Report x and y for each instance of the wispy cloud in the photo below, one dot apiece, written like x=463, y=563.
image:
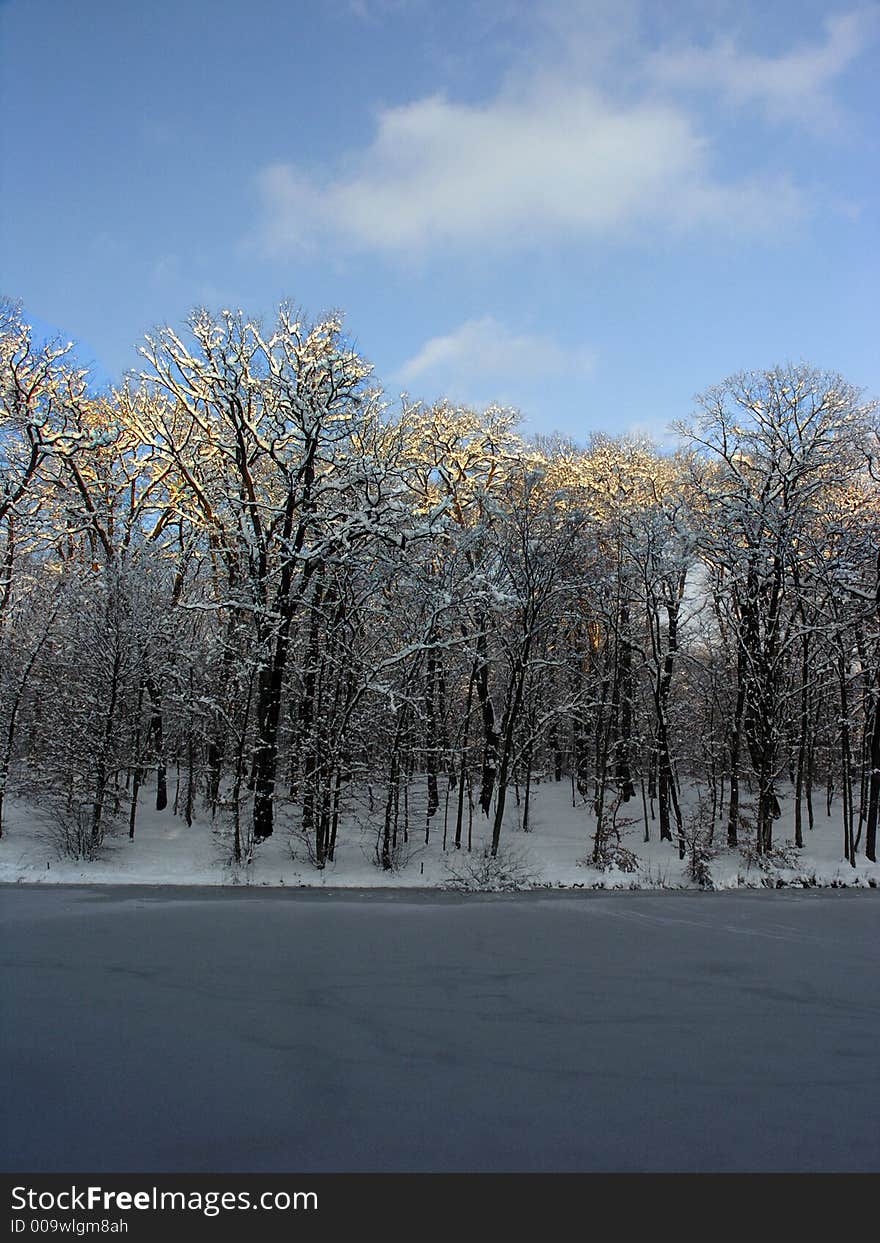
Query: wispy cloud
x=585, y=139
x=559, y=161
x=469, y=362
x=375, y=10
x=794, y=86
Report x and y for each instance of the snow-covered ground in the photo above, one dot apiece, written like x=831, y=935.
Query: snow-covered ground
x=269, y=1030
x=554, y=853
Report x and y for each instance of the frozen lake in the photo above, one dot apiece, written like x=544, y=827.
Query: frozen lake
x=248, y=1030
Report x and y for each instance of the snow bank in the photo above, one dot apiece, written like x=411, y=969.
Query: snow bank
x=554, y=853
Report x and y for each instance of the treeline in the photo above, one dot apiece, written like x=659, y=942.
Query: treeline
x=248, y=578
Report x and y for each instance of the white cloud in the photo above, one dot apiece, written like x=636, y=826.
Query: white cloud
x=481, y=353
x=557, y=161
x=374, y=10
x=792, y=87
x=590, y=137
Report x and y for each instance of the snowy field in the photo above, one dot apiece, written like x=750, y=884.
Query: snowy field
x=255, y=1030
x=553, y=853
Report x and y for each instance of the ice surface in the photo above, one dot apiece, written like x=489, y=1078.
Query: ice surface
x=267, y=1030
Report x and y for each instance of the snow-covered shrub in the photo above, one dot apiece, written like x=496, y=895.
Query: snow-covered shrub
x=301, y=844
x=480, y=871
x=653, y=875
x=785, y=855
x=612, y=856
x=697, y=831
x=608, y=853
x=72, y=831
x=398, y=853
x=233, y=832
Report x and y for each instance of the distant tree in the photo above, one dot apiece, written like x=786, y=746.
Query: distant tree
x=773, y=445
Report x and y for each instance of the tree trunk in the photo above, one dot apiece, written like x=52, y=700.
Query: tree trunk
x=491, y=735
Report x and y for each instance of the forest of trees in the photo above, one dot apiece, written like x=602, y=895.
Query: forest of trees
x=248, y=585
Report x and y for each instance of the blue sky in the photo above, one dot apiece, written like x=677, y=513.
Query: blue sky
x=590, y=211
